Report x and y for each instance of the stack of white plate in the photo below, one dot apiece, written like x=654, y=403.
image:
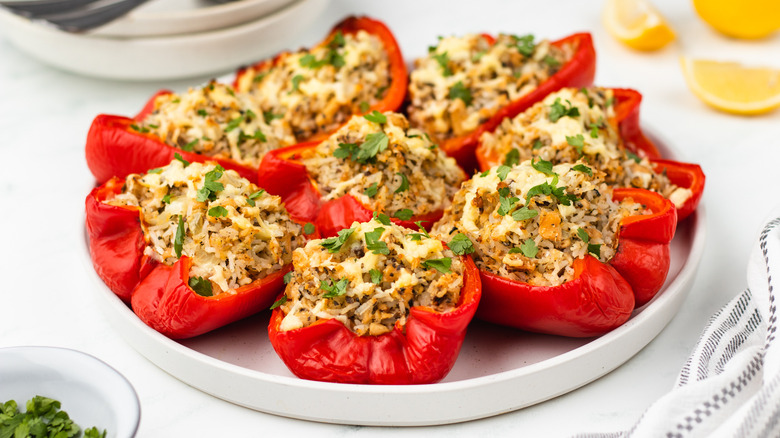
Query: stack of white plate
x=168, y=39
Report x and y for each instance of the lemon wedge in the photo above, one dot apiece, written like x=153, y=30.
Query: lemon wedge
x=733, y=87
x=746, y=19
x=637, y=24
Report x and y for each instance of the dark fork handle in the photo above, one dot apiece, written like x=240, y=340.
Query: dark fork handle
x=90, y=18
x=44, y=7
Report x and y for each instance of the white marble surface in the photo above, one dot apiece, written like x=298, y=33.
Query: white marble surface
x=45, y=297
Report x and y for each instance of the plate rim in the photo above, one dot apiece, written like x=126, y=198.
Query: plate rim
x=674, y=293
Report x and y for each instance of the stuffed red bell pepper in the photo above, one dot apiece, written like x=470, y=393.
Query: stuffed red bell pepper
x=191, y=246
x=210, y=122
x=378, y=304
x=375, y=163
x=601, y=127
x=468, y=85
x=557, y=251
x=357, y=69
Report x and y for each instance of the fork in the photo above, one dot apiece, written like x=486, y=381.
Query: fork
x=74, y=16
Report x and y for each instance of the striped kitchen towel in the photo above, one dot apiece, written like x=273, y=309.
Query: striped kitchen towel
x=730, y=384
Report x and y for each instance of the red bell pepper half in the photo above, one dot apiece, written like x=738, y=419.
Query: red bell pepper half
x=281, y=174
x=578, y=72
x=601, y=296
x=114, y=148
x=394, y=94
x=627, y=102
x=423, y=351
x=160, y=294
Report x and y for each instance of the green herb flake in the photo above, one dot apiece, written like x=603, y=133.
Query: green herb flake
x=544, y=166
x=633, y=156
x=578, y=141
x=43, y=418
x=524, y=213
x=334, y=244
x=484, y=174
x=178, y=157
x=382, y=218
x=178, y=241
x=296, y=82
x=584, y=169
x=332, y=289
x=442, y=265
x=376, y=276
x=210, y=185
x=512, y=157
x=477, y=56
x=260, y=76
x=373, y=243
x=376, y=117
x=167, y=198
x=538, y=144
x=583, y=235
x=190, y=146
x=269, y=116
x=404, y=214
x=218, y=211
x=374, y=144
x=461, y=244
x=506, y=203
x=142, y=129
x=503, y=172
x=525, y=44
x=515, y=251
x=380, y=92
x=459, y=91
x=364, y=106
x=529, y=248
x=609, y=102
x=552, y=62
x=308, y=228
x=201, y=286
x=558, y=110
x=345, y=150
x=251, y=198
x=279, y=302
x=443, y=61
x=155, y=171
x=404, y=183
x=203, y=113
x=287, y=277
x=233, y=124
x=372, y=190
x=594, y=249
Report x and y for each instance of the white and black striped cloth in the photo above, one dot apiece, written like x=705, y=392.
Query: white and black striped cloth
x=730, y=385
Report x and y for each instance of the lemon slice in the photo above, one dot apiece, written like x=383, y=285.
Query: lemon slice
x=637, y=24
x=732, y=87
x=748, y=19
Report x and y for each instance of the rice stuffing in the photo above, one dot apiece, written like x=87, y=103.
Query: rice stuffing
x=369, y=277
x=234, y=232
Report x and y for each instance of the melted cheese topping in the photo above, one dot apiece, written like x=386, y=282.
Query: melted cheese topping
x=370, y=280
x=213, y=120
x=316, y=91
x=407, y=172
x=464, y=80
x=234, y=232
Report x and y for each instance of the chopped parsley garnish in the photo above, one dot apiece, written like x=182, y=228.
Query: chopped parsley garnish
x=558, y=110
x=371, y=190
x=334, y=244
x=529, y=249
x=287, y=277
x=443, y=61
x=201, y=286
x=333, y=57
x=269, y=116
x=308, y=228
x=203, y=113
x=461, y=244
x=633, y=156
x=578, y=141
x=584, y=91
x=233, y=124
x=421, y=234
x=43, y=418
x=594, y=249
x=182, y=160
x=524, y=44
x=442, y=265
x=515, y=250
x=374, y=144
x=583, y=168
x=380, y=92
x=485, y=173
x=260, y=76
x=211, y=186
x=404, y=183
x=157, y=170
x=364, y=106
x=296, y=82
x=404, y=214
x=376, y=117
x=218, y=211
x=524, y=213
x=512, y=157
x=552, y=62
x=477, y=56
x=178, y=241
x=594, y=129
x=189, y=146
x=258, y=135
x=609, y=101
x=334, y=289
x=373, y=243
x=505, y=202
x=543, y=166
x=382, y=218
x=546, y=188
x=503, y=171
x=279, y=302
x=459, y=91
x=538, y=144
x=141, y=129
x=345, y=150
x=167, y=198
x=376, y=276
x=251, y=198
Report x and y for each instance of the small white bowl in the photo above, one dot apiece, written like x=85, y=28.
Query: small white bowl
x=89, y=390
x=165, y=57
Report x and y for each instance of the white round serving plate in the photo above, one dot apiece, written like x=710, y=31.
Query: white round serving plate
x=498, y=370
x=163, y=57
x=89, y=390
x=174, y=17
